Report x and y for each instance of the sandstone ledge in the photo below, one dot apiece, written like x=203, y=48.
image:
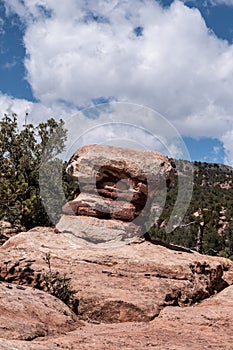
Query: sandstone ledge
x=99, y=232
x=130, y=296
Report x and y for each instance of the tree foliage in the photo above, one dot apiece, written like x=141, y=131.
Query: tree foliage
x=21, y=152
x=211, y=204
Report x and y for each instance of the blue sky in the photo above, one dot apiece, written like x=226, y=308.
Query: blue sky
x=12, y=71
x=175, y=57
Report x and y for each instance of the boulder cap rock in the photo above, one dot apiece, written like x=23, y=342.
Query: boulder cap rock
x=97, y=162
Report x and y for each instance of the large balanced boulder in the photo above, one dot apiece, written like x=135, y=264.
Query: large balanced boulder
x=115, y=184
x=115, y=171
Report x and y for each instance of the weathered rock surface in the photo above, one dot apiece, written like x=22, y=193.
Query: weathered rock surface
x=86, y=204
x=115, y=172
x=116, y=184
x=133, y=296
x=27, y=313
x=99, y=232
x=103, y=163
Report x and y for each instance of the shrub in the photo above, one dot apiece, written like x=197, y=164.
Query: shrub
x=58, y=285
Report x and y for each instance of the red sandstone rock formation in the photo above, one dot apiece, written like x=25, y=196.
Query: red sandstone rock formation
x=116, y=184
x=136, y=296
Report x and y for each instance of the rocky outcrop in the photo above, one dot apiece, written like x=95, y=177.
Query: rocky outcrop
x=117, y=184
x=169, y=290
x=135, y=296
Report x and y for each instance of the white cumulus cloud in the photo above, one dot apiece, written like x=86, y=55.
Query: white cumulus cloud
x=131, y=50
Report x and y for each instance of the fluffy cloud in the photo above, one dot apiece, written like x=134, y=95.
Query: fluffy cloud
x=13, y=105
x=125, y=125
x=37, y=112
x=164, y=58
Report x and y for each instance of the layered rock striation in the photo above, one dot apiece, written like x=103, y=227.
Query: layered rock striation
x=117, y=186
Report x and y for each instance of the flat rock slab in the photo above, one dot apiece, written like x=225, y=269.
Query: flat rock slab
x=200, y=327
x=131, y=297
x=99, y=232
x=135, y=280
